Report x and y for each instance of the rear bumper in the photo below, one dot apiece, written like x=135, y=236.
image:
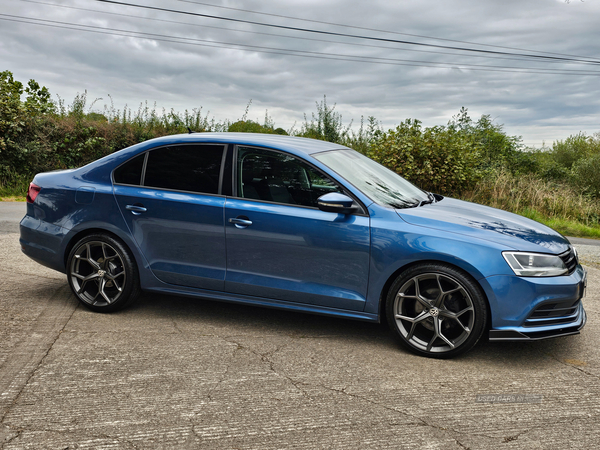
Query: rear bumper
x=43, y=242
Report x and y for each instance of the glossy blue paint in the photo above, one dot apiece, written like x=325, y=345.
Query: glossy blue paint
x=517, y=297
x=483, y=222
x=288, y=256
x=181, y=235
x=297, y=254
x=396, y=245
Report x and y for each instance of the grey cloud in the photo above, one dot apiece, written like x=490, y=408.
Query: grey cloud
x=536, y=106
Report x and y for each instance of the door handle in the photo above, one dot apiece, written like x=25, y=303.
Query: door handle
x=136, y=209
x=240, y=222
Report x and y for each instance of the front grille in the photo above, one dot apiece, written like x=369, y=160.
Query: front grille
x=553, y=313
x=569, y=259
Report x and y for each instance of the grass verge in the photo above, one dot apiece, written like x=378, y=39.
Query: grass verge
x=565, y=227
x=558, y=206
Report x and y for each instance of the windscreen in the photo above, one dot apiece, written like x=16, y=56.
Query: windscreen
x=381, y=185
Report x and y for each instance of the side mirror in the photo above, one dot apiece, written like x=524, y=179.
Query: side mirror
x=336, y=203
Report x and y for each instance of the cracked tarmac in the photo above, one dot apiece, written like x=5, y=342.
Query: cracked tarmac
x=171, y=372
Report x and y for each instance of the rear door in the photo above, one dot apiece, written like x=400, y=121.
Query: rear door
x=170, y=199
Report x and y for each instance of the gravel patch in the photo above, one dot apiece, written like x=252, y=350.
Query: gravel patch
x=589, y=255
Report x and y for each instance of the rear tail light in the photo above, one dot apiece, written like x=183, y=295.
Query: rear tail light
x=33, y=192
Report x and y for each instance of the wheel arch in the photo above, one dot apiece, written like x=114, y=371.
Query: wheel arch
x=80, y=234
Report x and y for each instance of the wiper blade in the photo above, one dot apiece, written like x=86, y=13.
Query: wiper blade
x=401, y=205
x=415, y=204
x=430, y=199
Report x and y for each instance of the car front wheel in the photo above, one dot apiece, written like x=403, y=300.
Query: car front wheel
x=102, y=273
x=436, y=310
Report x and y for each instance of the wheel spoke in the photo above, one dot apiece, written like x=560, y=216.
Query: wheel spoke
x=460, y=313
x=412, y=331
x=446, y=340
x=102, y=293
x=119, y=288
x=430, y=343
x=418, y=296
x=455, y=316
x=80, y=290
x=422, y=301
x=438, y=332
x=462, y=325
x=440, y=297
x=89, y=258
x=452, y=291
x=419, y=318
x=112, y=277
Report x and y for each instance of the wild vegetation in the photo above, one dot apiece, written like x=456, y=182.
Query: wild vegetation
x=471, y=159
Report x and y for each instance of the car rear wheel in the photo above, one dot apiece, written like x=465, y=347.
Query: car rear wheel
x=102, y=273
x=436, y=310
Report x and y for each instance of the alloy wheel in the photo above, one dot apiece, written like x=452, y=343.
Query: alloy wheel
x=97, y=273
x=434, y=312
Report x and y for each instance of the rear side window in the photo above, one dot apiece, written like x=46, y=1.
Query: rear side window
x=131, y=171
x=194, y=168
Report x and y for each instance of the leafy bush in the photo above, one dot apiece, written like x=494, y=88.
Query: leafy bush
x=494, y=147
x=568, y=152
x=17, y=120
x=249, y=126
x=437, y=159
x=586, y=175
x=326, y=125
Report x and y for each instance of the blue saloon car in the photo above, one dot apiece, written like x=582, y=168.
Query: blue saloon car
x=303, y=225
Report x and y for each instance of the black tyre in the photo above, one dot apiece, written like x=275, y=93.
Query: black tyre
x=102, y=273
x=436, y=310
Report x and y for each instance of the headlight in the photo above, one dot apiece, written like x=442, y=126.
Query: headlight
x=535, y=264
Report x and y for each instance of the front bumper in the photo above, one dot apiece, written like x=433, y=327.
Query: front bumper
x=534, y=335
x=549, y=318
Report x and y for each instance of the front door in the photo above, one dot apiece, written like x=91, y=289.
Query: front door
x=281, y=246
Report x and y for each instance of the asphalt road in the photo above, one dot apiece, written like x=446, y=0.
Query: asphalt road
x=172, y=372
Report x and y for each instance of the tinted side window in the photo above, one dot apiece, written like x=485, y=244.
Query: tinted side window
x=194, y=168
x=277, y=177
x=131, y=171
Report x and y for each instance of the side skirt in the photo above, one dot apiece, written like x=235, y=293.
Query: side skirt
x=265, y=302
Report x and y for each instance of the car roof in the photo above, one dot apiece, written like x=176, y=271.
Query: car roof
x=292, y=144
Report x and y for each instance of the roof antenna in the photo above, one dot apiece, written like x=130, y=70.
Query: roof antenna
x=189, y=130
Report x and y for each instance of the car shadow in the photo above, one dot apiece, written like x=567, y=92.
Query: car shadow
x=257, y=321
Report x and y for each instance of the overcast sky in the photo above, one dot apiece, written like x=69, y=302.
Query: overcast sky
x=189, y=61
